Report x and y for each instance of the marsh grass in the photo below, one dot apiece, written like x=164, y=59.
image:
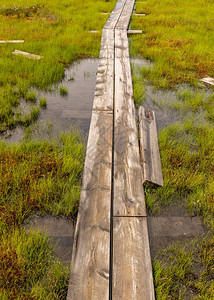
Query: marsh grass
x=43, y=102
x=44, y=177
x=178, y=38
x=63, y=91
x=56, y=30
x=185, y=272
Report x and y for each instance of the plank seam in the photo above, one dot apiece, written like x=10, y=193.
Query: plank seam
x=112, y=175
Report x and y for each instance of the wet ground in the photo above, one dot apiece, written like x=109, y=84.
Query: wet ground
x=64, y=112
x=173, y=225
x=60, y=230
x=74, y=110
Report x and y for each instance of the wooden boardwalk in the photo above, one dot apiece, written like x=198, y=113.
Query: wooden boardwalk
x=111, y=254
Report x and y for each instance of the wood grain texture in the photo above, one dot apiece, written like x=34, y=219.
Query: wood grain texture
x=132, y=269
x=104, y=89
x=125, y=16
x=90, y=259
x=128, y=189
x=149, y=148
x=121, y=44
x=97, y=170
x=115, y=15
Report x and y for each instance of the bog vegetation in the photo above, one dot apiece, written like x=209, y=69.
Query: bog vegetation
x=39, y=176
x=178, y=40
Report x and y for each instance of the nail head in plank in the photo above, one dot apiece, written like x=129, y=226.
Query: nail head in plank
x=149, y=148
x=132, y=269
x=208, y=80
x=135, y=31
x=28, y=55
x=12, y=42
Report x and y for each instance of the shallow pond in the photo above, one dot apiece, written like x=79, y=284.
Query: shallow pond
x=60, y=230
x=63, y=112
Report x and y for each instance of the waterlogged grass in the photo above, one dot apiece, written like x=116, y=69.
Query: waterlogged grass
x=43, y=177
x=185, y=272
x=57, y=30
x=63, y=91
x=28, y=269
x=187, y=156
x=178, y=38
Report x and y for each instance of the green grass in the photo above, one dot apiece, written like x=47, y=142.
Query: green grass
x=178, y=38
x=50, y=183
x=185, y=272
x=28, y=269
x=63, y=91
x=58, y=31
x=43, y=102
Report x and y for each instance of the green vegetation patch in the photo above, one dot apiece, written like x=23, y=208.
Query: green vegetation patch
x=185, y=272
x=43, y=177
x=187, y=156
x=57, y=30
x=178, y=38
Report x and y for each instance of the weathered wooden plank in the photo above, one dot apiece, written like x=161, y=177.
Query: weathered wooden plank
x=121, y=43
x=115, y=14
x=12, y=41
x=208, y=80
x=149, y=149
x=124, y=19
x=107, y=44
x=97, y=170
x=134, y=31
x=132, y=269
x=128, y=188
x=104, y=89
x=90, y=259
x=28, y=55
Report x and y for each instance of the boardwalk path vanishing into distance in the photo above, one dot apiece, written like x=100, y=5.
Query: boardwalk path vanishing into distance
x=111, y=254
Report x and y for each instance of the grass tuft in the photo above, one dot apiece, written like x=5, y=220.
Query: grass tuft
x=63, y=91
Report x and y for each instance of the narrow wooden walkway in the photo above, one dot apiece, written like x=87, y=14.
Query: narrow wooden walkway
x=111, y=255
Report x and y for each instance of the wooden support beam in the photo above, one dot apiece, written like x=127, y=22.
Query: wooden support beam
x=134, y=31
x=28, y=55
x=208, y=80
x=139, y=15
x=12, y=41
x=149, y=148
